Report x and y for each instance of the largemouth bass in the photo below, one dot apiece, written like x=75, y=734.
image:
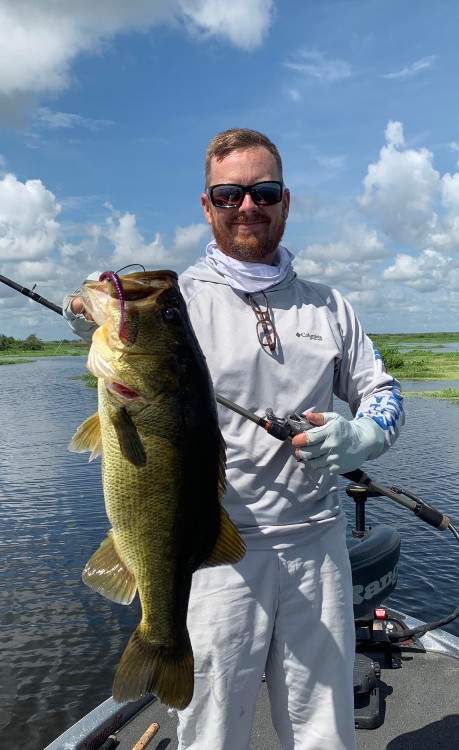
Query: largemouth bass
x=163, y=473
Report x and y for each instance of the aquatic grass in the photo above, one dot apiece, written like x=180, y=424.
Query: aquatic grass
x=392, y=339
x=88, y=378
x=418, y=362
x=34, y=347
x=450, y=394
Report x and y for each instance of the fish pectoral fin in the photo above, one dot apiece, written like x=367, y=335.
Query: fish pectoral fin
x=229, y=547
x=88, y=437
x=129, y=440
x=107, y=573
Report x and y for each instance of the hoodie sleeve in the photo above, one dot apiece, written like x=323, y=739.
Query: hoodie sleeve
x=78, y=323
x=361, y=378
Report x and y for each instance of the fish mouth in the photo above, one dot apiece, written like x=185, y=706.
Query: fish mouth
x=133, y=292
x=136, y=286
x=123, y=390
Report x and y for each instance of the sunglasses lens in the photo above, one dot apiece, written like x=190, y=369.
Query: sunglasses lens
x=231, y=196
x=226, y=196
x=267, y=193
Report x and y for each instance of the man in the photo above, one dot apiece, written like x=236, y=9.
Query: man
x=273, y=340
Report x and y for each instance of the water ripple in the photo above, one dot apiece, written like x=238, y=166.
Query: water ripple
x=60, y=642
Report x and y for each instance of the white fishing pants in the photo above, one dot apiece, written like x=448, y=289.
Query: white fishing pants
x=287, y=613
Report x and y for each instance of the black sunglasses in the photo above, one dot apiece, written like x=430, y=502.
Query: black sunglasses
x=231, y=196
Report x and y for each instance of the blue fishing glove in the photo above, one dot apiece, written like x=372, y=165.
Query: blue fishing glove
x=341, y=445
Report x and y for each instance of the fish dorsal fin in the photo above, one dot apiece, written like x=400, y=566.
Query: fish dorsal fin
x=88, y=437
x=229, y=547
x=128, y=438
x=107, y=573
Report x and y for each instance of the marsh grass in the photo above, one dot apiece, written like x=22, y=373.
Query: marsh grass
x=418, y=363
x=449, y=394
x=423, y=339
x=86, y=377
x=49, y=349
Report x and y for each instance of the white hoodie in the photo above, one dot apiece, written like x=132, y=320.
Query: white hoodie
x=321, y=350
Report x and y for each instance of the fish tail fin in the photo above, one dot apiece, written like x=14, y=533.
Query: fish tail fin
x=148, y=667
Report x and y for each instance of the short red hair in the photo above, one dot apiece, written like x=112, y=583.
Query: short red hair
x=227, y=141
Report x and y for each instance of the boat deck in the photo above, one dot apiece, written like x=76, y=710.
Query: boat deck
x=420, y=699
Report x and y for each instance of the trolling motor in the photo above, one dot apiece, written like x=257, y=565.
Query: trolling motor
x=374, y=554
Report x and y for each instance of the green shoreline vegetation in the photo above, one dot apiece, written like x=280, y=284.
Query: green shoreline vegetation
x=448, y=394
x=407, y=356
x=419, y=362
x=14, y=351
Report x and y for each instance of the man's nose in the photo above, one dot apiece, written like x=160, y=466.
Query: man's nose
x=248, y=203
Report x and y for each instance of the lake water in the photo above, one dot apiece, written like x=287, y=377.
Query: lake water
x=60, y=642
x=430, y=346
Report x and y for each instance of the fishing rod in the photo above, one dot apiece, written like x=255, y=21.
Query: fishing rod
x=31, y=294
x=288, y=427
x=284, y=428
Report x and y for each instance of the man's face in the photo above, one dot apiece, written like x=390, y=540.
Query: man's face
x=250, y=232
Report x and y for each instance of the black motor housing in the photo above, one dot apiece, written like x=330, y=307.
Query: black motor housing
x=374, y=561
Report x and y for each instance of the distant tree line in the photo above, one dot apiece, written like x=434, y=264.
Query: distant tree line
x=31, y=343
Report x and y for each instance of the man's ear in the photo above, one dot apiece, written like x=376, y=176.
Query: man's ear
x=205, y=203
x=285, y=203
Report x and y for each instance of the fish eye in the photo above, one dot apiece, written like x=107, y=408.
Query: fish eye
x=169, y=313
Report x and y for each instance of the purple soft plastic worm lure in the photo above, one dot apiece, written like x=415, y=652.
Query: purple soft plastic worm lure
x=116, y=281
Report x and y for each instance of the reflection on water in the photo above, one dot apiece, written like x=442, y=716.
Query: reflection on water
x=59, y=641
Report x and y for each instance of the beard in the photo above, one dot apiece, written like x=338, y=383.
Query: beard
x=252, y=248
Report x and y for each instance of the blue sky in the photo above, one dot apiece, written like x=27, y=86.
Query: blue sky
x=106, y=109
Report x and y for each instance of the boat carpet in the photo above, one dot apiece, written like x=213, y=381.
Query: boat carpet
x=420, y=702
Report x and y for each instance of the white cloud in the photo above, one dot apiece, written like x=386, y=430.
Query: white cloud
x=359, y=244
x=58, y=120
x=314, y=64
x=130, y=246
x=364, y=298
x=35, y=270
x=426, y=272
x=413, y=204
x=394, y=133
x=243, y=23
x=190, y=239
x=401, y=189
x=28, y=226
x=412, y=70
x=40, y=40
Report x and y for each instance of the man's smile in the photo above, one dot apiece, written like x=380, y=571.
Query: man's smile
x=250, y=222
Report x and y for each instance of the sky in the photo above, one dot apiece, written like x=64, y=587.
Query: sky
x=106, y=109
